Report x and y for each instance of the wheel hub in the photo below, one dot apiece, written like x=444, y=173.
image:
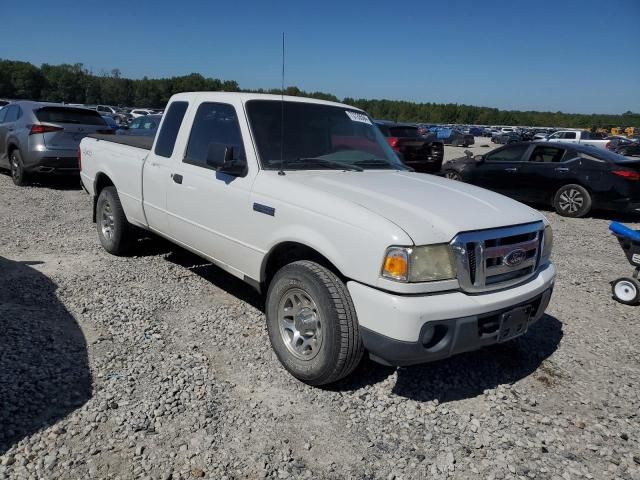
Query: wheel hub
x=300, y=324
x=107, y=222
x=571, y=200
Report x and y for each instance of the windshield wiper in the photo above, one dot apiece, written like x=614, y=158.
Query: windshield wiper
x=375, y=162
x=324, y=161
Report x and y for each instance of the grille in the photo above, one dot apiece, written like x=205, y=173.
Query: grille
x=498, y=258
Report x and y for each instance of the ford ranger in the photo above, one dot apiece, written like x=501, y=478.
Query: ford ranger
x=306, y=201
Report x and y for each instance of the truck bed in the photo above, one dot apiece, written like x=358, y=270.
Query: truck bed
x=145, y=142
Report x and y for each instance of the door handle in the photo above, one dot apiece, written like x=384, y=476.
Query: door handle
x=177, y=178
x=561, y=169
x=511, y=169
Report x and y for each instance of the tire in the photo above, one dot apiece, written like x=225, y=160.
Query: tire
x=331, y=346
x=452, y=174
x=114, y=231
x=572, y=201
x=18, y=175
x=626, y=290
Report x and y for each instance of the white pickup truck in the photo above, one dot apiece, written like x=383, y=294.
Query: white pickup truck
x=576, y=136
x=305, y=200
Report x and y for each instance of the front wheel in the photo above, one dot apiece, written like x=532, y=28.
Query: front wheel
x=114, y=231
x=572, y=201
x=312, y=323
x=452, y=175
x=626, y=290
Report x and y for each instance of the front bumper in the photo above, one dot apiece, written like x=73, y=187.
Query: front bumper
x=393, y=326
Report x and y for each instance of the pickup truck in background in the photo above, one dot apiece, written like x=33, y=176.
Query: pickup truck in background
x=423, y=153
x=576, y=136
x=305, y=200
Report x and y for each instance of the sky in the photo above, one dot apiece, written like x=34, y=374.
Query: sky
x=548, y=55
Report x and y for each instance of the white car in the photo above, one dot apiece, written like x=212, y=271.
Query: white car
x=353, y=251
x=139, y=112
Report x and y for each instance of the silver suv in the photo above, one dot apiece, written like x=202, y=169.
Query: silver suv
x=40, y=137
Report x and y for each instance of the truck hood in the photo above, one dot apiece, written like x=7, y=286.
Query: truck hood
x=429, y=209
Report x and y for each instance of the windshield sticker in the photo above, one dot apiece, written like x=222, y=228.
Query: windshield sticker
x=358, y=117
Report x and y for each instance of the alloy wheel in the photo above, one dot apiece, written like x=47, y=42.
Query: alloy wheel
x=571, y=200
x=300, y=324
x=107, y=221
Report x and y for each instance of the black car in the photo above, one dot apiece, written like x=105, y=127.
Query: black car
x=423, y=153
x=505, y=138
x=628, y=149
x=572, y=178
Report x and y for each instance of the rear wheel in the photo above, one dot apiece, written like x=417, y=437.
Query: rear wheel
x=114, y=231
x=18, y=175
x=312, y=323
x=572, y=201
x=626, y=290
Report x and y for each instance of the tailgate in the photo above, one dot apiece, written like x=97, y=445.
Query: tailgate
x=68, y=126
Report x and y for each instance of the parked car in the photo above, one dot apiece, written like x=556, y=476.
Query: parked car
x=578, y=137
x=44, y=137
x=454, y=137
x=423, y=153
x=573, y=178
x=142, y=126
x=305, y=200
x=140, y=112
x=628, y=149
x=111, y=123
x=614, y=142
x=476, y=131
x=506, y=138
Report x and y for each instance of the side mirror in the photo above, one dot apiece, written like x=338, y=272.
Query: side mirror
x=221, y=158
x=479, y=158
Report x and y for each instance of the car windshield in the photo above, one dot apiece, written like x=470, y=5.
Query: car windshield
x=317, y=136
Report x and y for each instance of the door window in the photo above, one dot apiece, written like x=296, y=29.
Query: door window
x=215, y=129
x=555, y=136
x=546, y=155
x=509, y=154
x=569, y=135
x=170, y=128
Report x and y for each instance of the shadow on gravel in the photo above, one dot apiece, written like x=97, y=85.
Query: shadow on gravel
x=221, y=279
x=44, y=370
x=470, y=374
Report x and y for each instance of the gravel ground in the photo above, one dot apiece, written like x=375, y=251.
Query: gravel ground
x=158, y=366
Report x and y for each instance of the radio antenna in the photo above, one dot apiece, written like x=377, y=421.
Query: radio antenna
x=281, y=172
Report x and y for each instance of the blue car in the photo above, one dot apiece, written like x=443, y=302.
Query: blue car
x=111, y=123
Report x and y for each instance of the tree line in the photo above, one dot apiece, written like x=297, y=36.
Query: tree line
x=76, y=84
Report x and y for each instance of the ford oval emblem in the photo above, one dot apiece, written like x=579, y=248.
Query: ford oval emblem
x=514, y=257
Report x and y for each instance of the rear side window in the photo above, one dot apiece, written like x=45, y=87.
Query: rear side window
x=169, y=132
x=215, y=128
x=13, y=113
x=3, y=113
x=509, y=154
x=69, y=115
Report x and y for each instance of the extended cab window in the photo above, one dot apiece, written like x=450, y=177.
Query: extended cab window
x=509, y=154
x=215, y=129
x=546, y=155
x=569, y=135
x=169, y=132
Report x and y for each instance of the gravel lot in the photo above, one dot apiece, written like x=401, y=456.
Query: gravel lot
x=158, y=366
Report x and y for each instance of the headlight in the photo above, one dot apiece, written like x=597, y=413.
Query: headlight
x=547, y=242
x=427, y=263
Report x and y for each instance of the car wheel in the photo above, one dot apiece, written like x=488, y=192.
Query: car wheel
x=452, y=175
x=114, y=230
x=312, y=323
x=572, y=201
x=626, y=290
x=18, y=175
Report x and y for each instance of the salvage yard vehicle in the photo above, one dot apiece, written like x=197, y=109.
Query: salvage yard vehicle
x=577, y=136
x=305, y=200
x=142, y=126
x=44, y=137
x=574, y=179
x=627, y=289
x=423, y=153
x=455, y=138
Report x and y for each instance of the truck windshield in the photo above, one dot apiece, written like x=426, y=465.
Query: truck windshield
x=317, y=136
